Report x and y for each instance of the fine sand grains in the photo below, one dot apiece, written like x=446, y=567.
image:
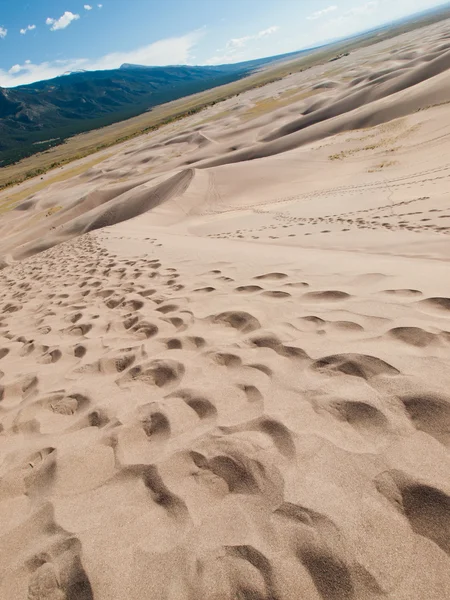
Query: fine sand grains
x=237, y=443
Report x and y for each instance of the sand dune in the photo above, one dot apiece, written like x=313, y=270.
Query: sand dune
x=228, y=378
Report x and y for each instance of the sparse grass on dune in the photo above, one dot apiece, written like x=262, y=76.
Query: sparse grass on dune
x=267, y=105
x=383, y=165
x=13, y=199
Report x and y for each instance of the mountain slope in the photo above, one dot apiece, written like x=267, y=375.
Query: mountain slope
x=40, y=115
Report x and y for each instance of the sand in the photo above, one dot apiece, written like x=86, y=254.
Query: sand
x=224, y=351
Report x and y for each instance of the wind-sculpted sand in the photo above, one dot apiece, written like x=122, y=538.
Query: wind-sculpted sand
x=225, y=350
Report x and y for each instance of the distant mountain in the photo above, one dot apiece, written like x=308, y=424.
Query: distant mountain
x=40, y=115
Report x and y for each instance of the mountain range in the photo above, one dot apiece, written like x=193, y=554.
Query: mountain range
x=40, y=115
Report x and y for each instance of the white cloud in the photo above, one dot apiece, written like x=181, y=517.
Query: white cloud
x=233, y=48
x=321, y=13
x=163, y=52
x=64, y=21
x=29, y=28
x=239, y=42
x=87, y=7
x=100, y=5
x=365, y=9
x=3, y=32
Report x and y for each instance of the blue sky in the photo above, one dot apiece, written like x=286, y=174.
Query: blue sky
x=40, y=39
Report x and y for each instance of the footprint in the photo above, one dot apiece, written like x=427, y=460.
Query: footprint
x=205, y=290
x=413, y=336
x=328, y=296
x=4, y=352
x=161, y=373
x=430, y=413
x=240, y=320
x=270, y=340
x=439, y=304
x=276, y=294
x=362, y=416
x=356, y=365
x=167, y=308
x=51, y=357
x=248, y=289
x=225, y=359
x=425, y=507
x=204, y=408
x=66, y=404
x=272, y=276
x=156, y=426
x=80, y=329
x=407, y=293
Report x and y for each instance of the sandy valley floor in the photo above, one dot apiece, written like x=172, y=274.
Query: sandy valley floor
x=225, y=350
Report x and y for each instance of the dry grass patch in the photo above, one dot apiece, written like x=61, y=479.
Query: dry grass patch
x=14, y=198
x=267, y=105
